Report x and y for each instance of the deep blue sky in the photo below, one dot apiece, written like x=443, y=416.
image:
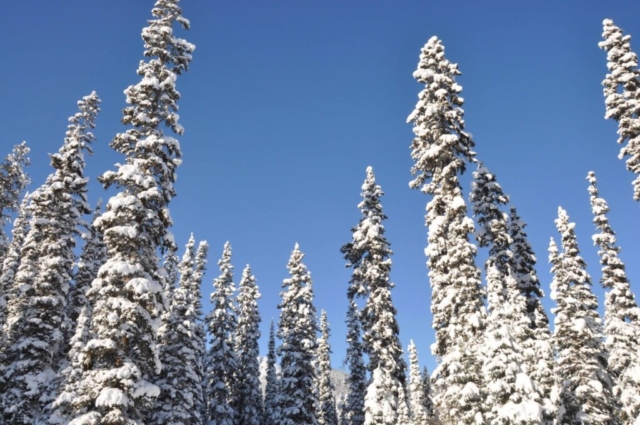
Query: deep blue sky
x=288, y=102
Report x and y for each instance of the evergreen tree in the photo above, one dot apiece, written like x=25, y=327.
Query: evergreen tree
x=511, y=396
x=13, y=180
x=621, y=314
x=297, y=330
x=582, y=381
x=271, y=411
x=356, y=380
x=170, y=265
x=122, y=360
x=428, y=401
x=327, y=414
x=222, y=366
x=37, y=318
x=181, y=396
x=200, y=332
x=417, y=400
x=250, y=409
x=441, y=148
x=622, y=95
x=93, y=256
x=369, y=255
x=538, y=349
x=12, y=262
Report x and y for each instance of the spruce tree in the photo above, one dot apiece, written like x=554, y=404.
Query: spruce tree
x=271, y=411
x=538, y=347
x=222, y=362
x=369, y=255
x=417, y=401
x=356, y=380
x=512, y=397
x=428, y=400
x=441, y=149
x=297, y=330
x=250, y=409
x=622, y=95
x=583, y=385
x=122, y=360
x=37, y=318
x=327, y=414
x=621, y=314
x=13, y=181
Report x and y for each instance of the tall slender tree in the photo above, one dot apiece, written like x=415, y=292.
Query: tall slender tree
x=271, y=411
x=250, y=408
x=441, y=150
x=582, y=381
x=512, y=398
x=369, y=255
x=37, y=316
x=622, y=95
x=417, y=401
x=356, y=380
x=539, y=346
x=327, y=414
x=181, y=395
x=222, y=366
x=122, y=360
x=297, y=330
x=13, y=181
x=428, y=399
x=621, y=313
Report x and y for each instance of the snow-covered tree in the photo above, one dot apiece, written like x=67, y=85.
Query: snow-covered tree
x=621, y=314
x=369, y=255
x=127, y=296
x=93, y=256
x=539, y=346
x=222, y=362
x=37, y=313
x=441, y=149
x=12, y=262
x=181, y=396
x=327, y=414
x=297, y=330
x=583, y=385
x=353, y=408
x=512, y=398
x=170, y=265
x=13, y=181
x=271, y=411
x=622, y=95
x=428, y=399
x=417, y=401
x=250, y=409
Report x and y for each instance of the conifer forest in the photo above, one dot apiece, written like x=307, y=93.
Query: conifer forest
x=107, y=319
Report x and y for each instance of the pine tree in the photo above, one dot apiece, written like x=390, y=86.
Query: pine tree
x=271, y=411
x=297, y=330
x=170, y=279
x=37, y=318
x=417, y=401
x=621, y=314
x=441, y=148
x=222, y=366
x=327, y=414
x=369, y=255
x=12, y=262
x=539, y=347
x=356, y=380
x=511, y=395
x=181, y=396
x=582, y=381
x=622, y=95
x=200, y=332
x=13, y=181
x=247, y=350
x=428, y=400
x=122, y=360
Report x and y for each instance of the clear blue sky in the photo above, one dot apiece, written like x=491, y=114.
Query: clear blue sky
x=288, y=102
